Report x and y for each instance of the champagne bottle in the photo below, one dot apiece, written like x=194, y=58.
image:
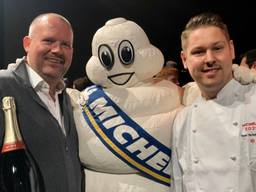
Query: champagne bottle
x=18, y=169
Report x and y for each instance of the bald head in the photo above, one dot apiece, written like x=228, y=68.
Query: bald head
x=45, y=18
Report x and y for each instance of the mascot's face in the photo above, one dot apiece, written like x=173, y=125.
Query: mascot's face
x=122, y=55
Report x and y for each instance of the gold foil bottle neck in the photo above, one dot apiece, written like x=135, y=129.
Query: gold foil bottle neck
x=12, y=138
x=8, y=103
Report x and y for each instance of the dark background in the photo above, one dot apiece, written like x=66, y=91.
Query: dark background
x=162, y=20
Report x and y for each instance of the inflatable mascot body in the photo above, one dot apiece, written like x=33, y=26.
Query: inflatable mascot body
x=125, y=124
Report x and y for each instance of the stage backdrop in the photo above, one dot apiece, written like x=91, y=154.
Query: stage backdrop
x=163, y=21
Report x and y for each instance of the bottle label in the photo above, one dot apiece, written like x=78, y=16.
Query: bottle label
x=13, y=146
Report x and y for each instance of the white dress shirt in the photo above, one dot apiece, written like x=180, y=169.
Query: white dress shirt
x=42, y=89
x=214, y=143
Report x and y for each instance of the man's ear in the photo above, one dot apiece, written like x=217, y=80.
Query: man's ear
x=26, y=43
x=232, y=49
x=183, y=58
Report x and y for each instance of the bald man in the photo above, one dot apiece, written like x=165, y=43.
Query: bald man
x=43, y=107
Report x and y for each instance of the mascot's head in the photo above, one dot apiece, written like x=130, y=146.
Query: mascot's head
x=122, y=55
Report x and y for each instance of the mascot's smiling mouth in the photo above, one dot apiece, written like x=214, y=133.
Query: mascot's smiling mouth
x=121, y=78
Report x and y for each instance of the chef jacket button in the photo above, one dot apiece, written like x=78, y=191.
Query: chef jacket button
x=196, y=161
x=194, y=130
x=195, y=105
x=233, y=158
x=235, y=123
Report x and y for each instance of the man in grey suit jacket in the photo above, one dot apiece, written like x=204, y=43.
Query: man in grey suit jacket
x=44, y=110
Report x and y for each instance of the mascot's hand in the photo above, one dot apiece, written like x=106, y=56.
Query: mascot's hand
x=77, y=98
x=74, y=96
x=243, y=74
x=83, y=98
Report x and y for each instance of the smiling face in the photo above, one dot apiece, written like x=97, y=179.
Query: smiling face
x=49, y=47
x=208, y=56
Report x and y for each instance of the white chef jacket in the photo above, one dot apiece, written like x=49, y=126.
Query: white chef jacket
x=214, y=143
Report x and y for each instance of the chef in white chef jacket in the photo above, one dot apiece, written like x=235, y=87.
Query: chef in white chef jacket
x=214, y=139
x=125, y=125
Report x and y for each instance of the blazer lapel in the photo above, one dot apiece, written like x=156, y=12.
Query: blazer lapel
x=66, y=110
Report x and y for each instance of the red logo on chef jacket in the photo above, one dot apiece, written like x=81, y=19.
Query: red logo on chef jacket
x=249, y=131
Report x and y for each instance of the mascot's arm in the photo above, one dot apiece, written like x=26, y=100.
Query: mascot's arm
x=242, y=74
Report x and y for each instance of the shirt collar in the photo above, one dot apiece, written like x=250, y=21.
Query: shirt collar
x=226, y=93
x=37, y=81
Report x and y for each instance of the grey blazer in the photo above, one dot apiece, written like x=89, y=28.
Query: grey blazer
x=56, y=155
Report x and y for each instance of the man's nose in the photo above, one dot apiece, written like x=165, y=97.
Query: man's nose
x=56, y=47
x=209, y=57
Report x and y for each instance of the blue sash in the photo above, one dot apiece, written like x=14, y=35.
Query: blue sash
x=125, y=138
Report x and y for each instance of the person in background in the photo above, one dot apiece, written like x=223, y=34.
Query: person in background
x=249, y=59
x=43, y=107
x=81, y=83
x=169, y=72
x=214, y=139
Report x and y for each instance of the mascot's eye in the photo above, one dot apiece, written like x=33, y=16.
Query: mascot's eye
x=106, y=56
x=126, y=52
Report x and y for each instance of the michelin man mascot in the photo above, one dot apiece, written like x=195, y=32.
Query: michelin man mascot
x=124, y=121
